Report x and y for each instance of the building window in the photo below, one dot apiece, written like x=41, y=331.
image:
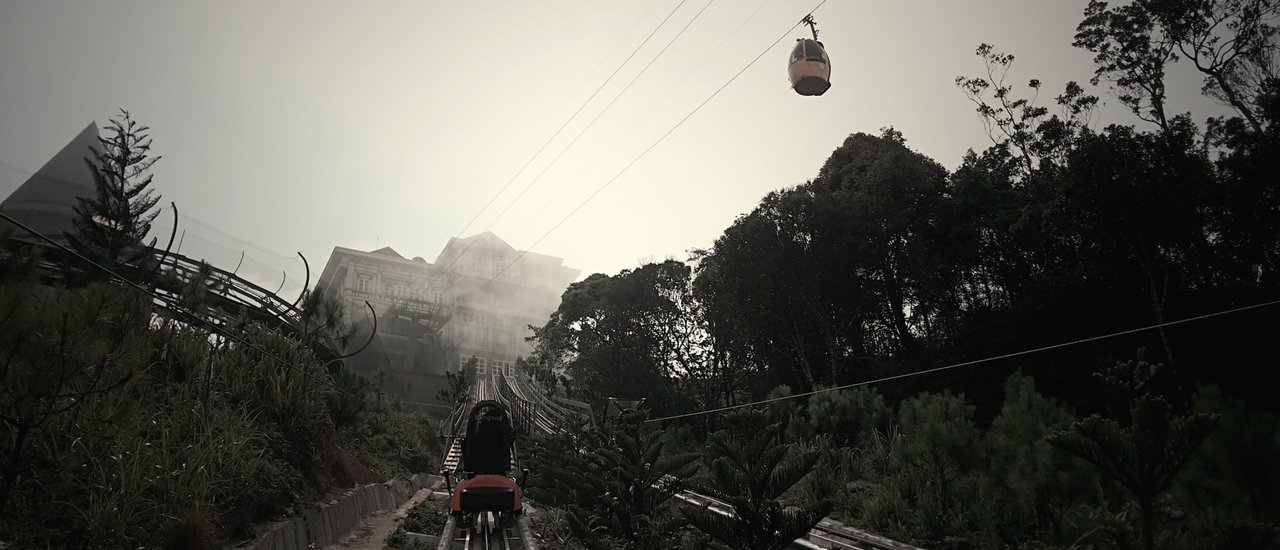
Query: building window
x=439, y=297
x=362, y=284
x=505, y=367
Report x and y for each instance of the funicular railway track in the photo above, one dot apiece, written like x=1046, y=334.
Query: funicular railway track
x=488, y=534
x=531, y=415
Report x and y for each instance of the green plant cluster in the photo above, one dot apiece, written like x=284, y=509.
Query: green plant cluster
x=1038, y=257
x=930, y=473
x=427, y=517
x=1038, y=476
x=614, y=487
x=120, y=428
x=610, y=486
x=387, y=437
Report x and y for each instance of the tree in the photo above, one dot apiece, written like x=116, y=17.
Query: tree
x=939, y=447
x=753, y=285
x=1024, y=133
x=645, y=472
x=1138, y=200
x=875, y=205
x=1145, y=456
x=1041, y=481
x=1130, y=52
x=823, y=280
x=1233, y=43
x=618, y=480
x=110, y=226
x=848, y=415
x=458, y=385
x=632, y=334
x=751, y=469
x=59, y=348
x=1235, y=476
x=324, y=318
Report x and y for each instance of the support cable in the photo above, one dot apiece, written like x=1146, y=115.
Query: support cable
x=973, y=362
x=561, y=129
x=601, y=113
x=651, y=147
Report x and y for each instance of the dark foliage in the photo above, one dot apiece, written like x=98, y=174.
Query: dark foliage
x=112, y=226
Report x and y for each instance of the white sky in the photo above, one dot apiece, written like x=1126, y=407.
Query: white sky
x=300, y=126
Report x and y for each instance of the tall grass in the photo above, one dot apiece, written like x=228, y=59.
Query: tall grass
x=141, y=432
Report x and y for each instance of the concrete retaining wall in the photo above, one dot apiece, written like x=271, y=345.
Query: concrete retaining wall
x=330, y=523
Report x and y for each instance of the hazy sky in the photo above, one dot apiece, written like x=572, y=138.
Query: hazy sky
x=300, y=126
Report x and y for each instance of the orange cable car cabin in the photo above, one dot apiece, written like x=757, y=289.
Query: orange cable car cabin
x=809, y=67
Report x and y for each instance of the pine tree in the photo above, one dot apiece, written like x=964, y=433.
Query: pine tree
x=112, y=225
x=613, y=484
x=752, y=470
x=1145, y=456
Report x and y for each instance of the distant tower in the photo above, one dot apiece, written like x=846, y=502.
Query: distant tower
x=45, y=202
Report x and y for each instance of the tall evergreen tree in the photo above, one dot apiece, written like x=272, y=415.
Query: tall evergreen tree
x=615, y=483
x=110, y=226
x=1145, y=456
x=751, y=469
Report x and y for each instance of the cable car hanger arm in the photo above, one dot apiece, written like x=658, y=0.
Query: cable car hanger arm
x=808, y=20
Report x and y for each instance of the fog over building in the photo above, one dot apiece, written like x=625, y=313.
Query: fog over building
x=477, y=299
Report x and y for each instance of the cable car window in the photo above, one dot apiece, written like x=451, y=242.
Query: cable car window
x=814, y=52
x=798, y=53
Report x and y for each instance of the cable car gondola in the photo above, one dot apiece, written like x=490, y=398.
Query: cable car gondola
x=809, y=67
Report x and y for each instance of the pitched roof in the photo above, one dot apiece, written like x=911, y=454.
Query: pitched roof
x=388, y=251
x=45, y=201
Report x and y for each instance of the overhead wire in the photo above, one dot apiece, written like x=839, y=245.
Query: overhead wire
x=602, y=112
x=561, y=129
x=210, y=226
x=645, y=116
x=651, y=146
x=970, y=363
x=593, y=70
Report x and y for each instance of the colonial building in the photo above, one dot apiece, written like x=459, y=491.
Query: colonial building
x=477, y=299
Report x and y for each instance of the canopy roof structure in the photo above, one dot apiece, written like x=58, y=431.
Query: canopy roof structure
x=46, y=200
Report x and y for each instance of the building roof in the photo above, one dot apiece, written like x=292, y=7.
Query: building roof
x=45, y=202
x=480, y=241
x=384, y=254
x=388, y=251
x=445, y=261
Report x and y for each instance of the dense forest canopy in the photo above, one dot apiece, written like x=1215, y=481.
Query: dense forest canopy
x=1164, y=237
